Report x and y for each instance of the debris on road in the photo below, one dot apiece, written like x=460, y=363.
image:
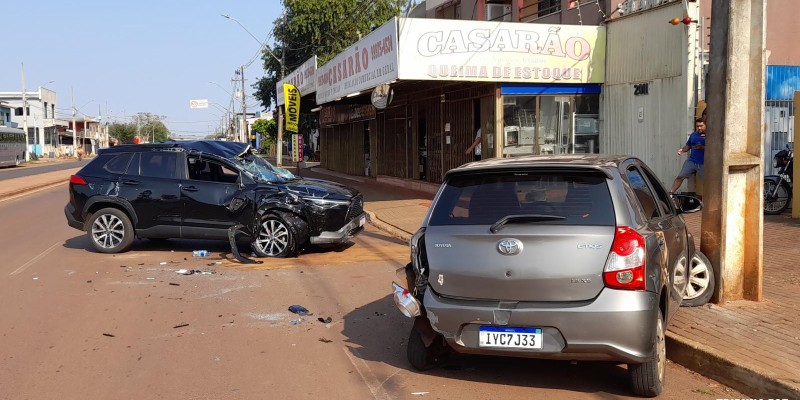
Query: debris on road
x=300, y=310
x=151, y=278
x=174, y=284
x=323, y=340
x=296, y=321
x=214, y=263
x=419, y=393
x=89, y=281
x=200, y=253
x=194, y=271
x=163, y=263
x=325, y=320
x=36, y=278
x=180, y=326
x=109, y=335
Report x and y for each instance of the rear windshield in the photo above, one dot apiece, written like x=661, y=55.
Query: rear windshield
x=581, y=198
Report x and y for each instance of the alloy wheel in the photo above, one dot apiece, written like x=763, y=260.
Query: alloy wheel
x=108, y=231
x=661, y=349
x=273, y=237
x=699, y=279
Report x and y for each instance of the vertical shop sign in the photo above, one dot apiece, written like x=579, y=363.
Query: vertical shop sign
x=292, y=100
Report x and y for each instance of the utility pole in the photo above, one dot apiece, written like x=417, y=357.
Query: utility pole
x=74, y=124
x=25, y=114
x=244, y=108
x=733, y=218
x=279, y=160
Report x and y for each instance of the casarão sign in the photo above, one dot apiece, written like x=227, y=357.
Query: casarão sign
x=435, y=49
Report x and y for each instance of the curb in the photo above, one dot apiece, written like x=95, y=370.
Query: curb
x=387, y=227
x=31, y=189
x=686, y=352
x=709, y=363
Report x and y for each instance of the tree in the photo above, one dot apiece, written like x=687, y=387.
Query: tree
x=268, y=129
x=321, y=27
x=147, y=126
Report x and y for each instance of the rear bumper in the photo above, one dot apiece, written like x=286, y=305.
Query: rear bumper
x=344, y=234
x=616, y=326
x=69, y=211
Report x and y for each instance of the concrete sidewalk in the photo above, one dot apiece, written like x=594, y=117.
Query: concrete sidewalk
x=751, y=347
x=16, y=187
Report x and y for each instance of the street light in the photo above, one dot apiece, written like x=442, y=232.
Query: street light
x=244, y=105
x=45, y=84
x=220, y=86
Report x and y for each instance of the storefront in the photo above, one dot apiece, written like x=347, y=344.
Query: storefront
x=304, y=79
x=520, y=88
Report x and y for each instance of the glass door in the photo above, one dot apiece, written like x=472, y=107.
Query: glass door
x=555, y=125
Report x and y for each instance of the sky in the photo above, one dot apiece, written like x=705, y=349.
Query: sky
x=137, y=56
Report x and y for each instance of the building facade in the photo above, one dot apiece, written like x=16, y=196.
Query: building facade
x=41, y=110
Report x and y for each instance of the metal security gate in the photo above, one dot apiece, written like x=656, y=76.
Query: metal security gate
x=779, y=119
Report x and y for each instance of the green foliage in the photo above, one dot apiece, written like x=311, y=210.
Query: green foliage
x=321, y=27
x=268, y=129
x=148, y=127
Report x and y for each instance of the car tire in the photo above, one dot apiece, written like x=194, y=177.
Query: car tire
x=423, y=358
x=701, y=283
x=274, y=238
x=647, y=378
x=110, y=231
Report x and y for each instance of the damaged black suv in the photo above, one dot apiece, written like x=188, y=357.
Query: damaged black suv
x=207, y=190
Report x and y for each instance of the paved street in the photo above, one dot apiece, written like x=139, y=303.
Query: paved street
x=80, y=325
x=36, y=169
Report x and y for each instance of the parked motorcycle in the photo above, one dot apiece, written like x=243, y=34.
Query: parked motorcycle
x=778, y=188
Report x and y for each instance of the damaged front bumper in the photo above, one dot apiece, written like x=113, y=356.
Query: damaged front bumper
x=344, y=234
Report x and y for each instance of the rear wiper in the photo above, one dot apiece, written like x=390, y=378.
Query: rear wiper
x=523, y=218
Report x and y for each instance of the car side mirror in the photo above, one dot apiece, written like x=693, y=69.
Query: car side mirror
x=687, y=204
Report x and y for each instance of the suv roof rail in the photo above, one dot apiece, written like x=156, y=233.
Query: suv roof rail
x=138, y=147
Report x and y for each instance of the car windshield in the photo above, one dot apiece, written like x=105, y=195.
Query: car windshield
x=261, y=170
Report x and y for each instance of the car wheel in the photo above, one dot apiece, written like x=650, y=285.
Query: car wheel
x=274, y=238
x=701, y=282
x=423, y=358
x=647, y=378
x=110, y=231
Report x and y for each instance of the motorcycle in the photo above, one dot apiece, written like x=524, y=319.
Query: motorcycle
x=778, y=188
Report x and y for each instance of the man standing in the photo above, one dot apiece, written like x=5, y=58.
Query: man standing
x=696, y=146
x=476, y=145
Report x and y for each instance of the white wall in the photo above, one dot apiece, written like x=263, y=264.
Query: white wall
x=645, y=48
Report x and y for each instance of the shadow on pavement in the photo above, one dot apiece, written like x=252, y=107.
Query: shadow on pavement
x=377, y=332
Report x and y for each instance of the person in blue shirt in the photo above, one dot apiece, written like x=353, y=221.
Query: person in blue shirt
x=696, y=146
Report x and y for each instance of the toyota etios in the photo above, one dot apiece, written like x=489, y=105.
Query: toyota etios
x=553, y=257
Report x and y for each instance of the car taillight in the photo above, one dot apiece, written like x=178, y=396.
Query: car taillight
x=626, y=261
x=76, y=180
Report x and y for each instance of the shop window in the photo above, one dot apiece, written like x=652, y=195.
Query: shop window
x=451, y=10
x=532, y=9
x=564, y=124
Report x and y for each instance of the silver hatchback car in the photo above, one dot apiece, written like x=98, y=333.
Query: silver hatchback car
x=554, y=257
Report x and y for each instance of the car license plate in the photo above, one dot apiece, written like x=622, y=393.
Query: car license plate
x=510, y=338
x=362, y=221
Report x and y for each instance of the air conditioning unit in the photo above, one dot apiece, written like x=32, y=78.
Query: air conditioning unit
x=498, y=12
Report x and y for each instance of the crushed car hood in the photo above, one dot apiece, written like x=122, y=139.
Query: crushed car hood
x=309, y=187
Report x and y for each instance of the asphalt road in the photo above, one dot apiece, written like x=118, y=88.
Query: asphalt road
x=82, y=325
x=34, y=169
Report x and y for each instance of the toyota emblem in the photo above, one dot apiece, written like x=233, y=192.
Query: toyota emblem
x=509, y=247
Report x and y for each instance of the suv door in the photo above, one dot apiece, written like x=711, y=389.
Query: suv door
x=665, y=231
x=212, y=198
x=151, y=186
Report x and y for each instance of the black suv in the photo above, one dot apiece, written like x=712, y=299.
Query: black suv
x=207, y=190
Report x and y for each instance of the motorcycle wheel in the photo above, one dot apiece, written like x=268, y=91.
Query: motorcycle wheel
x=778, y=203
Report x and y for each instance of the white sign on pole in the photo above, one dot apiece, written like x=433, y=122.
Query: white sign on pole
x=456, y=50
x=200, y=103
x=303, y=78
x=368, y=63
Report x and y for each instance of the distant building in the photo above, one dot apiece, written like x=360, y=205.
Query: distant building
x=41, y=110
x=5, y=116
